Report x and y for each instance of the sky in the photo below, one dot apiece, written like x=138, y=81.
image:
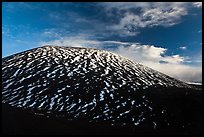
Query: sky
x=166, y=36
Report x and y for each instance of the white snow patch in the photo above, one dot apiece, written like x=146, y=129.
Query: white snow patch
x=155, y=124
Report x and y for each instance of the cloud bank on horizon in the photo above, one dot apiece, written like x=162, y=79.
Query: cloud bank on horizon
x=166, y=36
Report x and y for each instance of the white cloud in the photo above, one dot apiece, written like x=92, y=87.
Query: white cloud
x=174, y=59
x=6, y=31
x=125, y=5
x=51, y=34
x=148, y=55
x=74, y=41
x=142, y=53
x=150, y=15
x=163, y=16
x=151, y=56
x=81, y=41
x=197, y=4
x=116, y=42
x=180, y=71
x=183, y=48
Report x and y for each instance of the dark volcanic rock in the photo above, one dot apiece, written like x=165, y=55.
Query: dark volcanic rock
x=101, y=91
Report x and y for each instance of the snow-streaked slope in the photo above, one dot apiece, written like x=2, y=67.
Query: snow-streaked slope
x=82, y=83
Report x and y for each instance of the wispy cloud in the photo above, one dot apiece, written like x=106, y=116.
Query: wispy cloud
x=197, y=4
x=125, y=5
x=74, y=41
x=125, y=18
x=54, y=33
x=148, y=15
x=116, y=42
x=17, y=6
x=120, y=18
x=183, y=47
x=83, y=40
x=6, y=31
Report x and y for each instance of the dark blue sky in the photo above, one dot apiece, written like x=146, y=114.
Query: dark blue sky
x=173, y=27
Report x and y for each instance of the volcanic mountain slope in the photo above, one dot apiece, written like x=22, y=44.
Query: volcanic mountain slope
x=99, y=87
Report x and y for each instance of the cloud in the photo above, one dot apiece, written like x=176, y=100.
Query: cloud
x=19, y=6
x=155, y=58
x=51, y=34
x=116, y=42
x=142, y=53
x=183, y=48
x=74, y=41
x=149, y=55
x=6, y=31
x=147, y=15
x=118, y=18
x=197, y=4
x=182, y=72
x=125, y=5
x=83, y=40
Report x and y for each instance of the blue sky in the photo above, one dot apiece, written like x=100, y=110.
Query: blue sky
x=156, y=34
